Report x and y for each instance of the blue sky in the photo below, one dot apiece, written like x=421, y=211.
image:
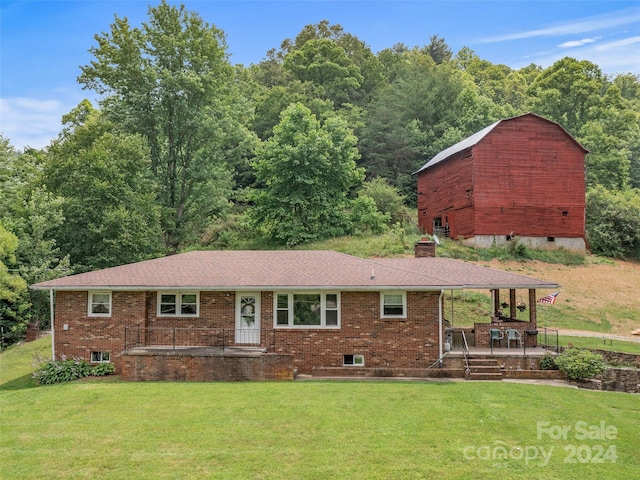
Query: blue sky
x=44, y=43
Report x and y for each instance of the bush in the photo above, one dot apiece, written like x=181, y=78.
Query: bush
x=613, y=222
x=580, y=364
x=103, y=369
x=548, y=362
x=58, y=371
x=366, y=218
x=387, y=198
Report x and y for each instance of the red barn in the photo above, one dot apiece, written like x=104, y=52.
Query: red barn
x=519, y=177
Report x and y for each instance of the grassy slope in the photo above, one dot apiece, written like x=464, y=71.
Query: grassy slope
x=598, y=295
x=312, y=430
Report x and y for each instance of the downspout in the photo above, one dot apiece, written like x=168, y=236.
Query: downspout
x=53, y=335
x=440, y=354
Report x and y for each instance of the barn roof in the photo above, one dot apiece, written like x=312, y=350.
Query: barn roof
x=299, y=269
x=478, y=136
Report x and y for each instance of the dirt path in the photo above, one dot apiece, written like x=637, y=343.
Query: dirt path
x=612, y=336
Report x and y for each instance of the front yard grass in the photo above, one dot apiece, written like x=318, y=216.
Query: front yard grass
x=313, y=430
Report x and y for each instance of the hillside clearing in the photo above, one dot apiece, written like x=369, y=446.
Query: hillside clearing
x=600, y=296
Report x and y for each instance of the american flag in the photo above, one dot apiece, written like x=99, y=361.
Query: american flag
x=549, y=299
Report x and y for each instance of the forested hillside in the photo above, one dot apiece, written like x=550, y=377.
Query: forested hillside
x=320, y=139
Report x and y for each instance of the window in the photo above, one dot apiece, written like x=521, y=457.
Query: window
x=393, y=305
x=353, y=361
x=100, y=357
x=307, y=310
x=99, y=304
x=178, y=304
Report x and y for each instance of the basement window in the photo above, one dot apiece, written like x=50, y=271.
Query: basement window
x=551, y=239
x=100, y=357
x=353, y=360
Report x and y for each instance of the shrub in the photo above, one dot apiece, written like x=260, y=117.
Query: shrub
x=366, y=218
x=58, y=371
x=580, y=364
x=613, y=222
x=103, y=369
x=548, y=362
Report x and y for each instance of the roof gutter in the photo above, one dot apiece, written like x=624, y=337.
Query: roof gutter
x=201, y=288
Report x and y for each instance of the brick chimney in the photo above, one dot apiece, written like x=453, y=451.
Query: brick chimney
x=425, y=248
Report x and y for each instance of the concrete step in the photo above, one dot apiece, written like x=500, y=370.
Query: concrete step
x=485, y=376
x=485, y=369
x=483, y=362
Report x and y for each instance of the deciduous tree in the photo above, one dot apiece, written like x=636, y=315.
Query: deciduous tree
x=307, y=168
x=108, y=194
x=170, y=81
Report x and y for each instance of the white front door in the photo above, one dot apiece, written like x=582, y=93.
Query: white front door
x=248, y=318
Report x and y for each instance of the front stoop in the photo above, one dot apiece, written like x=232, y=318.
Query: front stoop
x=484, y=369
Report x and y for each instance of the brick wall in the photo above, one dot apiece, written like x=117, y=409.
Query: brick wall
x=483, y=340
x=84, y=334
x=385, y=343
x=138, y=366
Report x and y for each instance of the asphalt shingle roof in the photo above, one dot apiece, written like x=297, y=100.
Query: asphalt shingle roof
x=285, y=269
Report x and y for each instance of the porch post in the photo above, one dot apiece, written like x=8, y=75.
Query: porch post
x=496, y=301
x=53, y=330
x=532, y=308
x=512, y=303
x=440, y=299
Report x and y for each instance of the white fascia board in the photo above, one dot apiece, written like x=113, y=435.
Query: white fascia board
x=342, y=288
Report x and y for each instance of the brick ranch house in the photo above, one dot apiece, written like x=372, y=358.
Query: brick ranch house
x=519, y=177
x=236, y=315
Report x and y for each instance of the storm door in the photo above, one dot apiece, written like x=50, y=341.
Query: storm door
x=248, y=318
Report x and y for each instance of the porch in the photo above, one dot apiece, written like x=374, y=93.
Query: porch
x=202, y=355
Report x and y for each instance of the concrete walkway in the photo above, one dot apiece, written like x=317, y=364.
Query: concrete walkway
x=551, y=383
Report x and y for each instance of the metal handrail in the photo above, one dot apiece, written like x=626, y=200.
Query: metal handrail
x=137, y=336
x=465, y=353
x=546, y=338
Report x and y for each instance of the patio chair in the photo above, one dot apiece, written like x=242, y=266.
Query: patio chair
x=496, y=335
x=514, y=335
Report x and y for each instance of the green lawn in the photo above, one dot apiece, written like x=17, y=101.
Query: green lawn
x=598, y=343
x=317, y=430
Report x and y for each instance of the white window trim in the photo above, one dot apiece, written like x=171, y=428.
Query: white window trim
x=178, y=295
x=90, y=303
x=102, y=360
x=354, y=364
x=323, y=310
x=404, y=304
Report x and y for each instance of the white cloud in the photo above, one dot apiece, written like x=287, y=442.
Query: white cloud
x=572, y=27
x=31, y=122
x=578, y=43
x=620, y=43
x=620, y=56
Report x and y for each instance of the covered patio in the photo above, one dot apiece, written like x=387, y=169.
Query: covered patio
x=504, y=332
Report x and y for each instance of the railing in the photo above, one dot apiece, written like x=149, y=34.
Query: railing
x=169, y=337
x=465, y=353
x=548, y=339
